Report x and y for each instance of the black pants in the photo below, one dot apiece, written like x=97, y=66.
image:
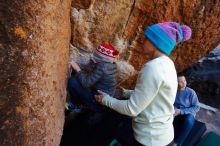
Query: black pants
x=124, y=132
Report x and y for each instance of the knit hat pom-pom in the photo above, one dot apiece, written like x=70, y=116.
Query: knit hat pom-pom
x=187, y=32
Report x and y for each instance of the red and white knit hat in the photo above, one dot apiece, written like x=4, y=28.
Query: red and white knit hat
x=107, y=52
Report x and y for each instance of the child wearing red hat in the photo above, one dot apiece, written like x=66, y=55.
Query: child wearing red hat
x=82, y=87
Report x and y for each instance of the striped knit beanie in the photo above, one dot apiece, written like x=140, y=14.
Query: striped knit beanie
x=106, y=53
x=166, y=35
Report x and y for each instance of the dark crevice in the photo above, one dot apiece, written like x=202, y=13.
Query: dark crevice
x=132, y=8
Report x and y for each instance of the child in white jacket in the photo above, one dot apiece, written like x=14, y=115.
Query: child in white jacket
x=151, y=102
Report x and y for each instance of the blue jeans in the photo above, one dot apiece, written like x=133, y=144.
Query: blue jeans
x=79, y=95
x=182, y=127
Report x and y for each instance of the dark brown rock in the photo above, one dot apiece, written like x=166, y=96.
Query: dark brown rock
x=80, y=4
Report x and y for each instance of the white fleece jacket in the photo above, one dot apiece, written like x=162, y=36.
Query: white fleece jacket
x=151, y=103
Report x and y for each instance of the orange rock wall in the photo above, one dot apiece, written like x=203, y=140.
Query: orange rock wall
x=34, y=51
x=122, y=23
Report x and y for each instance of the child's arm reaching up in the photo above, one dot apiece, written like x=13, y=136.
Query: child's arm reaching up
x=87, y=65
x=88, y=81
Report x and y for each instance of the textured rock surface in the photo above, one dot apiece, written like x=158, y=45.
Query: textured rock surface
x=34, y=44
x=204, y=77
x=100, y=23
x=124, y=71
x=34, y=51
x=122, y=22
x=211, y=119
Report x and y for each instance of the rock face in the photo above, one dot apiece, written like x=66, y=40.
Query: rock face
x=204, y=77
x=211, y=119
x=34, y=51
x=122, y=22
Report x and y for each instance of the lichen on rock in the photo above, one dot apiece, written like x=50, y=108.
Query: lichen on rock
x=34, y=52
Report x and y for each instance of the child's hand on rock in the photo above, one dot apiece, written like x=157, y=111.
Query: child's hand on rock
x=75, y=66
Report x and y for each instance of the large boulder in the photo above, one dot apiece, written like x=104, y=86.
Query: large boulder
x=204, y=78
x=122, y=22
x=34, y=51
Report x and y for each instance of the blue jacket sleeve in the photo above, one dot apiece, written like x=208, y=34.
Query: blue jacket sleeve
x=88, y=81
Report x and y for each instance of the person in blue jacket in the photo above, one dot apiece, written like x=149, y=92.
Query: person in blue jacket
x=186, y=106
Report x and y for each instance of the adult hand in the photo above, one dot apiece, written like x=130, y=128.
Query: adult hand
x=75, y=66
x=100, y=97
x=177, y=112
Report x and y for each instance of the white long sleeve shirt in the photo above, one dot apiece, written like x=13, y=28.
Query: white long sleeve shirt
x=151, y=103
